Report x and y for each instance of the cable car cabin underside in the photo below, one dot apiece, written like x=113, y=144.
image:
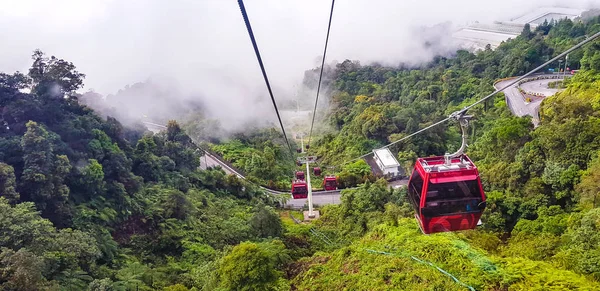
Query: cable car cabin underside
x=446, y=195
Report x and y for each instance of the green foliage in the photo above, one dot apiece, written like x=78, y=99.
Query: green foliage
x=589, y=187
x=39, y=249
x=266, y=222
x=49, y=72
x=8, y=183
x=22, y=270
x=353, y=174
x=177, y=287
x=261, y=155
x=540, y=183
x=252, y=266
x=356, y=268
x=89, y=204
x=581, y=250
x=105, y=284
x=44, y=172
x=369, y=197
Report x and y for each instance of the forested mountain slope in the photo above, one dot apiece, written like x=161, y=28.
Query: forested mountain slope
x=542, y=225
x=88, y=203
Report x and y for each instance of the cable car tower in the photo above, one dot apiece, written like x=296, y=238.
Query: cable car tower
x=311, y=213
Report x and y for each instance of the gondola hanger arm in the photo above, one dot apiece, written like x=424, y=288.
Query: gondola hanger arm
x=463, y=120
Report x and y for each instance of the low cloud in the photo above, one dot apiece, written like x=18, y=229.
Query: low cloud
x=201, y=50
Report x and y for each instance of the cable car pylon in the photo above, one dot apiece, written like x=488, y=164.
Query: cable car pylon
x=311, y=213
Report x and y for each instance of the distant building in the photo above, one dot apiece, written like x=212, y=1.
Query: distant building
x=386, y=162
x=477, y=36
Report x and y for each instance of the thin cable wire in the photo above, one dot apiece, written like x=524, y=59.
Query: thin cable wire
x=404, y=138
x=321, y=74
x=464, y=110
x=262, y=68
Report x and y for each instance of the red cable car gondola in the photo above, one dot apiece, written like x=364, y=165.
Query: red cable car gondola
x=317, y=171
x=446, y=191
x=300, y=175
x=446, y=197
x=299, y=189
x=330, y=183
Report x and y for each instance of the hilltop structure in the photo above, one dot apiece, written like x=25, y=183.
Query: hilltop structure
x=477, y=36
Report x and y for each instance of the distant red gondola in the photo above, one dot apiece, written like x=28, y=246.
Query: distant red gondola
x=317, y=171
x=299, y=189
x=300, y=175
x=330, y=183
x=446, y=195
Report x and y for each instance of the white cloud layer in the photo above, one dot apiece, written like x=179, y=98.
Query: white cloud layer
x=202, y=45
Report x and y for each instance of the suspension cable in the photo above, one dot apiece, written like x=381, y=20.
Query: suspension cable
x=321, y=74
x=262, y=68
x=465, y=109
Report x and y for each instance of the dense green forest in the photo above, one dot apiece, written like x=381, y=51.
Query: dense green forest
x=541, y=227
x=90, y=204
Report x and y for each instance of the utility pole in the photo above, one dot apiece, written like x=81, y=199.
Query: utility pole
x=559, y=66
x=566, y=62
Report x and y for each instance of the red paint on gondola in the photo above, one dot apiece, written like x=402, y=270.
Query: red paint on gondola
x=299, y=189
x=330, y=183
x=446, y=197
x=317, y=171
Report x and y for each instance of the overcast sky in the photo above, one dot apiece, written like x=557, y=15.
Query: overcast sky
x=202, y=45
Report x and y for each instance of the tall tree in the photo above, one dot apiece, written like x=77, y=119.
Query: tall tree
x=44, y=173
x=8, y=183
x=54, y=76
x=37, y=155
x=526, y=32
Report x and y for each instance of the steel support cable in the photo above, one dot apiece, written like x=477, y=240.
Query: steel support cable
x=464, y=110
x=321, y=74
x=404, y=138
x=262, y=68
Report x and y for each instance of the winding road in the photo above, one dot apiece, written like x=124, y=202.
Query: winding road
x=517, y=102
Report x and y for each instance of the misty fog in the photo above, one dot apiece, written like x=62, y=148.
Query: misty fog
x=200, y=50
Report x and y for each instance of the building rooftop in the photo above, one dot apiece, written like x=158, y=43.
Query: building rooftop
x=478, y=35
x=537, y=16
x=478, y=38
x=386, y=157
